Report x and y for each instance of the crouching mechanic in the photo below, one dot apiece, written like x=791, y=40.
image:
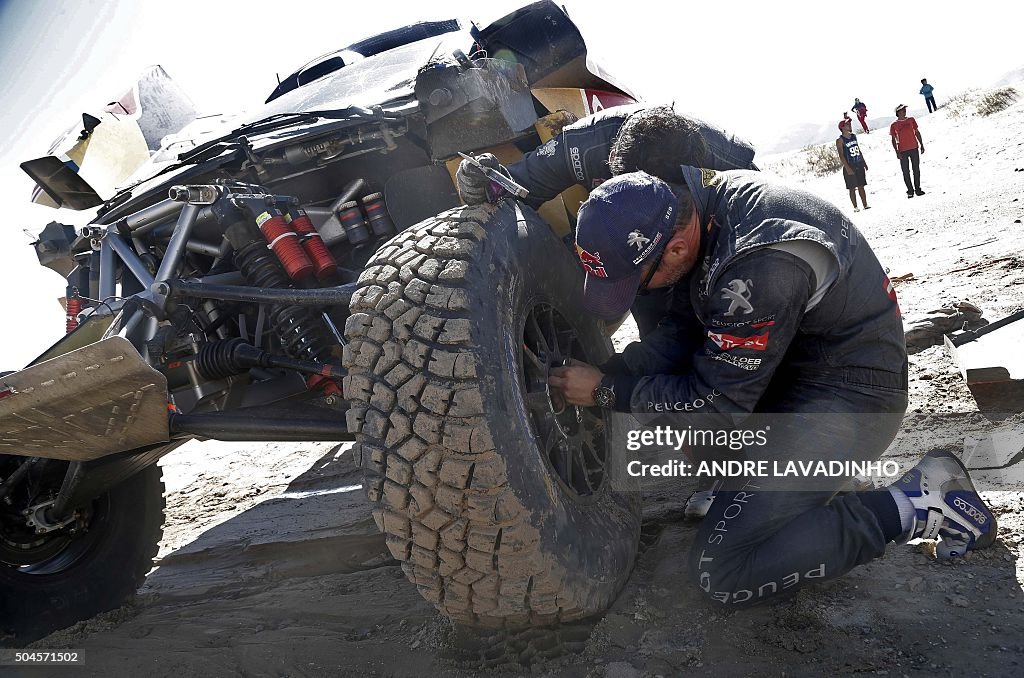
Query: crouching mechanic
x=589, y=151
x=780, y=307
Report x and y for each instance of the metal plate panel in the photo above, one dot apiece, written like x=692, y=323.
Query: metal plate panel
x=86, y=404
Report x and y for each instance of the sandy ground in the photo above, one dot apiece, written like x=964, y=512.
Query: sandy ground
x=271, y=566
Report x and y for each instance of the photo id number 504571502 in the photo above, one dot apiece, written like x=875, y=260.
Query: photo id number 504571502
x=41, y=658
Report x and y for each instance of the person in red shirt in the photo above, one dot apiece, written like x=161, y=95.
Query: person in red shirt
x=908, y=144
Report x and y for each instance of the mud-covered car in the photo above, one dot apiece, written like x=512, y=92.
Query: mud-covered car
x=306, y=273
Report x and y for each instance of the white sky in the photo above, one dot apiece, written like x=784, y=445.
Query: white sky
x=753, y=67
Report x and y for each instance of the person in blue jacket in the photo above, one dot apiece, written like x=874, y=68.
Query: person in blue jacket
x=926, y=92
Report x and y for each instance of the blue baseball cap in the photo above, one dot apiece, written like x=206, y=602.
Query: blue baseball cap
x=624, y=224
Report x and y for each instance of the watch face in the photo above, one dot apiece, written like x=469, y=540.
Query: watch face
x=604, y=396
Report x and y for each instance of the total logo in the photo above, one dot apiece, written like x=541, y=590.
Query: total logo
x=727, y=342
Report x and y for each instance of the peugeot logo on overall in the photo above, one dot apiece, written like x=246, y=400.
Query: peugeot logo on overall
x=737, y=292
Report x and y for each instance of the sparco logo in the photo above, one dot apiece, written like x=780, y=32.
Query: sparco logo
x=577, y=164
x=972, y=512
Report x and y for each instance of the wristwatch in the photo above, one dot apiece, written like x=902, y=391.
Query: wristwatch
x=604, y=393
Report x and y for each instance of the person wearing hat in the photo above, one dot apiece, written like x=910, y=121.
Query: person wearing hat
x=780, y=307
x=908, y=144
x=854, y=165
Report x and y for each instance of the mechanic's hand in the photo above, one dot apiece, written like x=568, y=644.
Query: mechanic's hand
x=576, y=382
x=922, y=149
x=474, y=187
x=848, y=170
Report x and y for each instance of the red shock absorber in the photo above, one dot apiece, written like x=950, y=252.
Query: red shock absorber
x=324, y=263
x=326, y=385
x=284, y=242
x=73, y=308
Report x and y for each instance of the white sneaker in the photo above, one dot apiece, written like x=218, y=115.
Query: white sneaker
x=946, y=505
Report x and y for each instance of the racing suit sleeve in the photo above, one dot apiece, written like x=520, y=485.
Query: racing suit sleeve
x=577, y=155
x=748, y=321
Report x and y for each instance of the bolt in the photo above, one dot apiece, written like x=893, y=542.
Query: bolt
x=331, y=400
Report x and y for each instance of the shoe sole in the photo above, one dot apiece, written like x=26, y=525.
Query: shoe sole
x=985, y=540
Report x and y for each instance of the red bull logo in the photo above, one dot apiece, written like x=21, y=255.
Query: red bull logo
x=591, y=262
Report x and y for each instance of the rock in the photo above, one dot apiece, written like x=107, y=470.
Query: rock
x=958, y=601
x=621, y=670
x=915, y=584
x=622, y=631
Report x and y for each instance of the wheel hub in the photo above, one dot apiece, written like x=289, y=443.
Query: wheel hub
x=571, y=438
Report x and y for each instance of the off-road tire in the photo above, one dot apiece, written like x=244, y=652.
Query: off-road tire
x=469, y=506
x=103, y=578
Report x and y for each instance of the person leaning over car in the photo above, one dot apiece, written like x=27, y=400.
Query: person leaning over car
x=589, y=151
x=780, y=307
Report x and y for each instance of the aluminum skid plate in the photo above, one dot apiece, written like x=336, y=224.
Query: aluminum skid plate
x=98, y=400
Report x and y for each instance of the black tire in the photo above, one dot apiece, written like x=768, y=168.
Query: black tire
x=123, y=536
x=479, y=518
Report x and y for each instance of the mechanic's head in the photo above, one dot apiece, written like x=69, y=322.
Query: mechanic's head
x=657, y=141
x=901, y=111
x=924, y=81
x=634, y=232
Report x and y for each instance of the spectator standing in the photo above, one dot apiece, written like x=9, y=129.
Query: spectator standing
x=854, y=165
x=861, y=109
x=908, y=144
x=926, y=92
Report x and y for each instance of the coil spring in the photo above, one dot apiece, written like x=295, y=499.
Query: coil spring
x=74, y=307
x=301, y=330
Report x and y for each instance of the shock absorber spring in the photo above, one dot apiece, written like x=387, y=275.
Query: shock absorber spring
x=301, y=330
x=74, y=307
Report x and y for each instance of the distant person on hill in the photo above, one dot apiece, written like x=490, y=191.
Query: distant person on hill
x=854, y=165
x=908, y=144
x=861, y=109
x=926, y=92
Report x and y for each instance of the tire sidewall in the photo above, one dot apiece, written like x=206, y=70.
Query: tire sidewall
x=594, y=538
x=103, y=577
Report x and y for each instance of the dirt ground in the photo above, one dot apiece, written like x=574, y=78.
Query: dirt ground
x=271, y=565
